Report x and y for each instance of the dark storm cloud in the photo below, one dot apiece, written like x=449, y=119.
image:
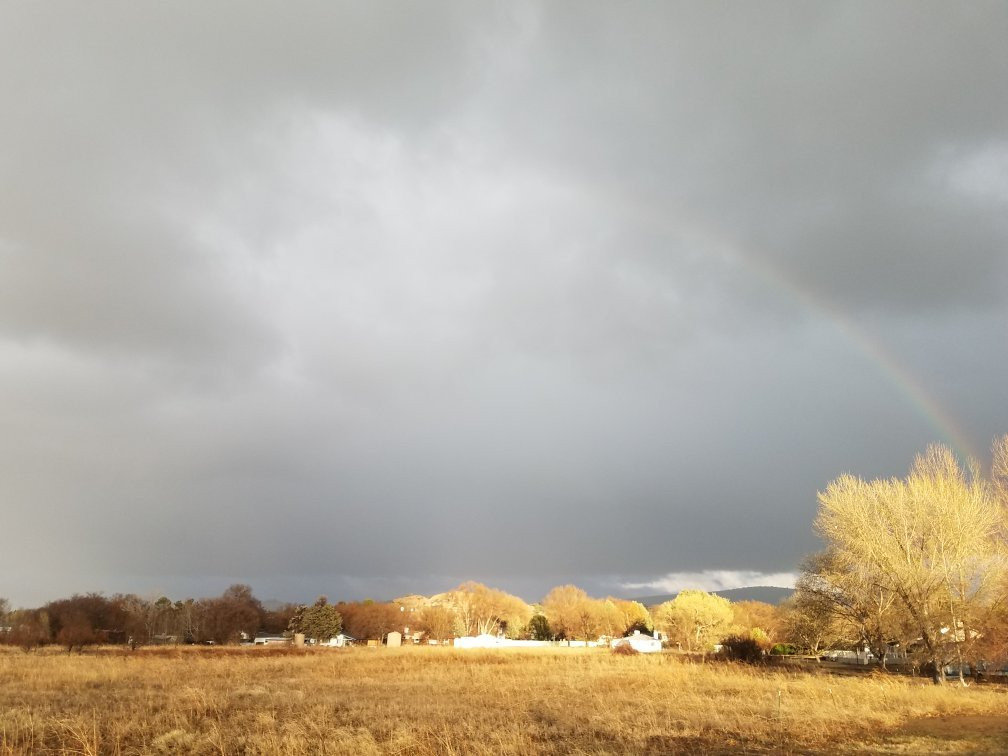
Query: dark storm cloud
x=807, y=134
x=367, y=300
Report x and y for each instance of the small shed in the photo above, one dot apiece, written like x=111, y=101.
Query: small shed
x=393, y=639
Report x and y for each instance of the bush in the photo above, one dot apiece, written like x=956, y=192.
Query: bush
x=539, y=629
x=640, y=625
x=742, y=648
x=29, y=629
x=784, y=649
x=624, y=649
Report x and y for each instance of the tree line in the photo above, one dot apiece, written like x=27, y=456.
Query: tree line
x=89, y=619
x=913, y=568
x=694, y=619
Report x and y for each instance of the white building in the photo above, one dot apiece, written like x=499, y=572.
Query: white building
x=645, y=644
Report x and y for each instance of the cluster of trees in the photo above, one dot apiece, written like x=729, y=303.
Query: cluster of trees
x=694, y=620
x=92, y=618
x=480, y=610
x=572, y=614
x=914, y=566
x=472, y=608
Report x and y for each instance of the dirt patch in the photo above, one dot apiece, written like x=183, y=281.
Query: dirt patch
x=953, y=726
x=949, y=733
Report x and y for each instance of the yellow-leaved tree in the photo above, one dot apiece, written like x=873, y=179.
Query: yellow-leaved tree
x=927, y=552
x=695, y=619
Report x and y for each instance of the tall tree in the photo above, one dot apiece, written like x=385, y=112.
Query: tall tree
x=859, y=608
x=370, y=620
x=438, y=621
x=809, y=622
x=572, y=613
x=277, y=620
x=695, y=619
x=633, y=615
x=89, y=616
x=226, y=618
x=539, y=628
x=933, y=541
x=29, y=628
x=748, y=616
x=76, y=631
x=481, y=610
x=321, y=621
x=141, y=618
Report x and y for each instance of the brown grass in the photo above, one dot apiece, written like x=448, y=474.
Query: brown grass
x=443, y=701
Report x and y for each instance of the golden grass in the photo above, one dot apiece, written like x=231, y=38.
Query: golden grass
x=443, y=701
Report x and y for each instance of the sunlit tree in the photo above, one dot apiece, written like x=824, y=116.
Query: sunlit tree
x=932, y=543
x=633, y=615
x=438, y=621
x=481, y=610
x=695, y=619
x=572, y=613
x=748, y=616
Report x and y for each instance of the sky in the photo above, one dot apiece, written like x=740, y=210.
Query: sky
x=366, y=299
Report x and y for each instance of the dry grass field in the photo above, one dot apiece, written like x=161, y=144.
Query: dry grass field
x=446, y=701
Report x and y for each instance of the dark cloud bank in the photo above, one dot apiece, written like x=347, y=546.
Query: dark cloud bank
x=341, y=299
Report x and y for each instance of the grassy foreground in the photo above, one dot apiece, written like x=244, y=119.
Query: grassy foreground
x=443, y=701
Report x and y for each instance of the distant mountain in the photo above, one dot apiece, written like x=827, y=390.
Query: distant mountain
x=768, y=594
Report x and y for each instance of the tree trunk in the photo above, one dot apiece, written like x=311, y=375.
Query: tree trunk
x=937, y=671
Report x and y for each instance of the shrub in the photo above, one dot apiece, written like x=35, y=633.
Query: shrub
x=784, y=649
x=624, y=649
x=742, y=648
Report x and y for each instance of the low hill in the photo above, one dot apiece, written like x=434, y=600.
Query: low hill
x=768, y=594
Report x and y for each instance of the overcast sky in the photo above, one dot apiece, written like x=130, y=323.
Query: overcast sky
x=367, y=299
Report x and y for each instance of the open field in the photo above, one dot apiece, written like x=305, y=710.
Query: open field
x=433, y=700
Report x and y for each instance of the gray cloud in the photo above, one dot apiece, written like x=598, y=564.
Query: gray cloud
x=362, y=301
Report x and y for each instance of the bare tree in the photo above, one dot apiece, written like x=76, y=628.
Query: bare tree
x=999, y=469
x=481, y=610
x=226, y=618
x=810, y=622
x=437, y=621
x=29, y=628
x=847, y=603
x=370, y=620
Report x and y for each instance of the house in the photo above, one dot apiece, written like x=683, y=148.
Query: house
x=644, y=644
x=339, y=641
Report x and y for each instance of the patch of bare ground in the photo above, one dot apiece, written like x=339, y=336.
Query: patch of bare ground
x=948, y=733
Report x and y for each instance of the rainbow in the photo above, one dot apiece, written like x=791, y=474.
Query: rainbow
x=905, y=385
